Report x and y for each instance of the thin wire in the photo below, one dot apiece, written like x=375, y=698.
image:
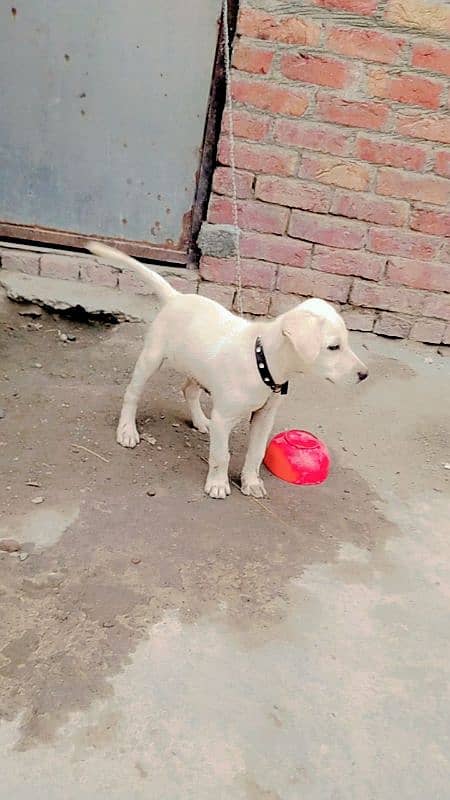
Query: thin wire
x=229, y=106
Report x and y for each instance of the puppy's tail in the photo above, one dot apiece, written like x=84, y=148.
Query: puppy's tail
x=116, y=258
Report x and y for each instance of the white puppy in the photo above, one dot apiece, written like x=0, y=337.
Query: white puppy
x=242, y=364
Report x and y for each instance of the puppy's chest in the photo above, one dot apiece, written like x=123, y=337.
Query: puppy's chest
x=249, y=400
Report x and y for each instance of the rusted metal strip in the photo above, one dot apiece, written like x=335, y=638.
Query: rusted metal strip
x=37, y=235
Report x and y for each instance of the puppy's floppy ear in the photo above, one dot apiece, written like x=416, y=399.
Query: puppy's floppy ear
x=304, y=331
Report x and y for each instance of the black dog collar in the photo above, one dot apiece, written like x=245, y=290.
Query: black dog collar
x=264, y=371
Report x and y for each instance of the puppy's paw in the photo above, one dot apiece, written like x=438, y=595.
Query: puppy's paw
x=202, y=427
x=127, y=434
x=217, y=489
x=252, y=486
x=201, y=424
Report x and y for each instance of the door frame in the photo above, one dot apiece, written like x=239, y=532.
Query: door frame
x=189, y=255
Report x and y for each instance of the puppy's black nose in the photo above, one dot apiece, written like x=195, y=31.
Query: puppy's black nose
x=362, y=375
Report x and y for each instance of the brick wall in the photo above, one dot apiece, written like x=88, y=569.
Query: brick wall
x=64, y=265
x=342, y=119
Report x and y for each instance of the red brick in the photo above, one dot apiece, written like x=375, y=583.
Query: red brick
x=405, y=88
x=312, y=136
x=254, y=301
x=270, y=97
x=370, y=208
x=287, y=30
x=252, y=59
x=222, y=182
x=279, y=249
x=309, y=283
x=442, y=162
x=391, y=298
x=259, y=157
x=370, y=45
x=293, y=193
x=419, y=274
x=70, y=268
x=183, y=284
x=221, y=294
x=359, y=320
x=426, y=188
x=280, y=303
x=365, y=7
x=334, y=172
x=393, y=325
x=326, y=230
x=437, y=305
x=316, y=69
x=253, y=215
x=223, y=270
x=421, y=125
x=393, y=242
x=247, y=125
x=432, y=56
x=420, y=14
x=348, y=262
x=20, y=261
x=429, y=220
x=353, y=113
x=430, y=331
x=391, y=153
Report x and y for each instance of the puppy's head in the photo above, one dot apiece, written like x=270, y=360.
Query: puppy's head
x=320, y=341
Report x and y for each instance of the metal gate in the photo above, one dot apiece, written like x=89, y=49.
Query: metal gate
x=103, y=106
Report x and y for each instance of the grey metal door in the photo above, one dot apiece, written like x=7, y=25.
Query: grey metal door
x=103, y=107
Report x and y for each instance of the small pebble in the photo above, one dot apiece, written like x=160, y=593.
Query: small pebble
x=2, y=413
x=175, y=424
x=151, y=492
x=34, y=483
x=37, y=365
x=135, y=560
x=71, y=337
x=9, y=545
x=23, y=556
x=446, y=466
x=108, y=624
x=37, y=500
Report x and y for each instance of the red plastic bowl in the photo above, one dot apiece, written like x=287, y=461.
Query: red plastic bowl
x=298, y=457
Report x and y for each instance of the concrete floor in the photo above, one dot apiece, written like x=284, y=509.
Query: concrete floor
x=296, y=650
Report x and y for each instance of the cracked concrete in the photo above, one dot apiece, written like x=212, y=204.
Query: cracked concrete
x=169, y=647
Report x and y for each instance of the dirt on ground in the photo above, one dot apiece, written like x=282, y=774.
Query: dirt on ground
x=113, y=541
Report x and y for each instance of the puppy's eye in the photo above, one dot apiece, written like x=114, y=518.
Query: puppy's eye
x=334, y=347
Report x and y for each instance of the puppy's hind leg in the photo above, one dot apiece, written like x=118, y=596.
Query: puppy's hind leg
x=147, y=364
x=192, y=391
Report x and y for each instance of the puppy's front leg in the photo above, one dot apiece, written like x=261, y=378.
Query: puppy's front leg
x=260, y=427
x=217, y=484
